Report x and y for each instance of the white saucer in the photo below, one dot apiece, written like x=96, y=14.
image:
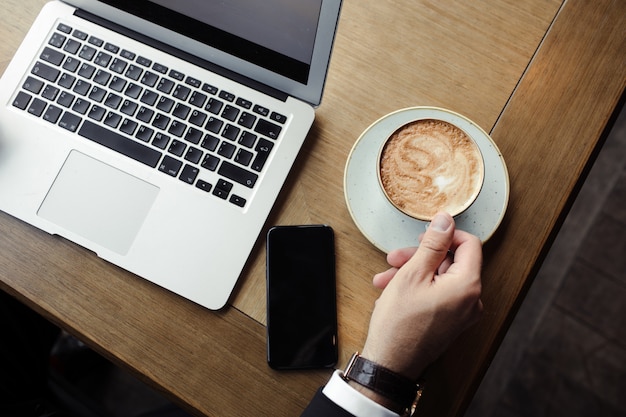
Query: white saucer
x=388, y=228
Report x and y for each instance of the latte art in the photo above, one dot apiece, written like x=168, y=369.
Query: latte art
x=431, y=165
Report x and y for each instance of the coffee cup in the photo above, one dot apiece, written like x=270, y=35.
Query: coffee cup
x=430, y=165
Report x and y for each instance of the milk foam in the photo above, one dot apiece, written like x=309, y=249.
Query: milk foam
x=431, y=165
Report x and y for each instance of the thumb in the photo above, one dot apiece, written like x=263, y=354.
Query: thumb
x=434, y=246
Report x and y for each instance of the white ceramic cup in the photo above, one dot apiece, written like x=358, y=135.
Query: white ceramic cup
x=430, y=165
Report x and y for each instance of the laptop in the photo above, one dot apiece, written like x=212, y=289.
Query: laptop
x=158, y=134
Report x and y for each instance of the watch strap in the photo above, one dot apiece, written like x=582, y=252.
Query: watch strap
x=397, y=388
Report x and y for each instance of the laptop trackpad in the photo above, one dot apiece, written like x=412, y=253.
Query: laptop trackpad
x=98, y=202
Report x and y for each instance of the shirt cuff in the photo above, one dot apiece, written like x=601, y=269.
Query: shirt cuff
x=338, y=391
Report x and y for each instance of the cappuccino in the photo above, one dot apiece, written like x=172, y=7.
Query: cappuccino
x=428, y=166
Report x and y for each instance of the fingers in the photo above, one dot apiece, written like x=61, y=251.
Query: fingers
x=434, y=247
x=467, y=250
x=442, y=249
x=382, y=279
x=399, y=257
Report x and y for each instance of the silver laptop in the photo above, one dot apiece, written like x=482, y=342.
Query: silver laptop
x=158, y=134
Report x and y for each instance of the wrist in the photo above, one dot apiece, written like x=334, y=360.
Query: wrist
x=382, y=385
x=402, y=363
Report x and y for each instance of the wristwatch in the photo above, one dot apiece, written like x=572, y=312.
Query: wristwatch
x=400, y=390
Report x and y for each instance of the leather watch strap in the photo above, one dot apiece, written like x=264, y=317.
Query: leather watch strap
x=397, y=388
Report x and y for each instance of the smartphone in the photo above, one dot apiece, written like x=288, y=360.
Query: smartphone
x=301, y=297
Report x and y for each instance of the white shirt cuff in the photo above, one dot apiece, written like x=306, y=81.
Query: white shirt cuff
x=338, y=391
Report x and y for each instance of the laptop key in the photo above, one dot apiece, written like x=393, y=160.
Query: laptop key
x=246, y=104
x=117, y=84
x=97, y=94
x=67, y=80
x=127, y=54
x=129, y=126
x=45, y=71
x=144, y=61
x=119, y=143
x=227, y=96
x=181, y=111
x=102, y=59
x=277, y=117
x=149, y=78
x=50, y=92
x=247, y=120
x=64, y=28
x=177, y=148
x=86, y=70
x=96, y=112
x=112, y=119
x=87, y=53
x=37, y=107
x=66, y=99
x=203, y=185
x=72, y=46
x=237, y=174
x=170, y=166
x=181, y=92
x=193, y=155
x=102, y=77
x=159, y=68
x=52, y=114
x=189, y=174
x=80, y=35
x=268, y=129
x=81, y=106
x=161, y=140
x=113, y=101
x=95, y=41
x=134, y=72
x=210, y=162
x=165, y=104
x=263, y=149
x=33, y=85
x=144, y=133
x=52, y=56
x=113, y=48
x=236, y=200
x=263, y=111
x=149, y=97
x=165, y=85
x=222, y=189
x=70, y=121
x=197, y=99
x=133, y=90
x=160, y=121
x=57, y=40
x=129, y=107
x=71, y=64
x=118, y=65
x=230, y=112
x=82, y=87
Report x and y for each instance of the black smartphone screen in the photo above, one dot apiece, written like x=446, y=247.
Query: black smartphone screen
x=301, y=300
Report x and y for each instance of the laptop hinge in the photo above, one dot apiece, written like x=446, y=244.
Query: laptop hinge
x=263, y=88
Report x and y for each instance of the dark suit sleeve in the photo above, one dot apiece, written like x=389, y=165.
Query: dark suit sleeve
x=321, y=406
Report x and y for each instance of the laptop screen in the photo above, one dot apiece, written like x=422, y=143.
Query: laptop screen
x=278, y=35
x=285, y=44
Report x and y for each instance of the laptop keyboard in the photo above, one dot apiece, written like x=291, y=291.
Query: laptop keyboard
x=186, y=128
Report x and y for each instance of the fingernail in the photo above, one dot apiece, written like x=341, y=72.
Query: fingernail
x=441, y=223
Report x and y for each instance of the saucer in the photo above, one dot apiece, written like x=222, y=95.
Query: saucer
x=388, y=228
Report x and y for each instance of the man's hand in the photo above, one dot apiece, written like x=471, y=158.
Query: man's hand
x=431, y=295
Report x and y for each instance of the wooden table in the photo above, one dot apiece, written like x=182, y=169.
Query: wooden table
x=542, y=76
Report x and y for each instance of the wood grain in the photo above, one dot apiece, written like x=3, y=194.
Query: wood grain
x=542, y=76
